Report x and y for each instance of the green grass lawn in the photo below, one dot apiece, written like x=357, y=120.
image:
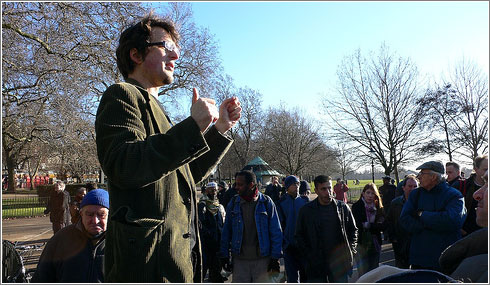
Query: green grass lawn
x=23, y=212
x=354, y=192
x=19, y=206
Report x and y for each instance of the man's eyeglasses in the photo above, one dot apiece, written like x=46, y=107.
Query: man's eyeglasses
x=170, y=46
x=422, y=173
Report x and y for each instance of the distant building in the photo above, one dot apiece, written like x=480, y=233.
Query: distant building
x=262, y=170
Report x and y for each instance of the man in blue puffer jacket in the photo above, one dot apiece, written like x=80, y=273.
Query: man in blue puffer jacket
x=252, y=232
x=434, y=214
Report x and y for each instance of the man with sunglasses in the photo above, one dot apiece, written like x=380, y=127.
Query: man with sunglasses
x=152, y=166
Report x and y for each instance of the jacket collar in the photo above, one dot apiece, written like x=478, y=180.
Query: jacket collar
x=316, y=204
x=442, y=186
x=136, y=83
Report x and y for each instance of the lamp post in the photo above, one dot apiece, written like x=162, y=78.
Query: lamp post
x=371, y=151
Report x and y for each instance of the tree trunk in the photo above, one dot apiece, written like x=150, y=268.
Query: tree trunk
x=11, y=174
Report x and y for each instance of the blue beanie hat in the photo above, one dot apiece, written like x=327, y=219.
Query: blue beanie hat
x=290, y=180
x=96, y=197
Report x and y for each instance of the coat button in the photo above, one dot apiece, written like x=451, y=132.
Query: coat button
x=186, y=235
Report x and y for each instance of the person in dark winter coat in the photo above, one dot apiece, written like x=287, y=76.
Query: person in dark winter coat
x=326, y=235
x=433, y=214
x=287, y=208
x=59, y=207
x=453, y=173
x=229, y=194
x=273, y=190
x=211, y=219
x=222, y=188
x=467, y=187
x=369, y=214
x=387, y=192
x=75, y=253
x=400, y=238
x=75, y=205
x=467, y=259
x=305, y=190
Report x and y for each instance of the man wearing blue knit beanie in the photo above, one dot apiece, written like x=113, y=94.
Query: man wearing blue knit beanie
x=287, y=208
x=75, y=253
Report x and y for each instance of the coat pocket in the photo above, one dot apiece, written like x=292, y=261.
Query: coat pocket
x=135, y=247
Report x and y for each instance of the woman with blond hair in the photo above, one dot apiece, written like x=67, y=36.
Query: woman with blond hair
x=370, y=220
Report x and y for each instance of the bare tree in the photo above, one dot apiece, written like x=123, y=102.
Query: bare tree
x=440, y=109
x=290, y=142
x=199, y=64
x=471, y=94
x=57, y=60
x=345, y=158
x=376, y=107
x=54, y=51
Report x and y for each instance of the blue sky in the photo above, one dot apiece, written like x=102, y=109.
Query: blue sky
x=290, y=51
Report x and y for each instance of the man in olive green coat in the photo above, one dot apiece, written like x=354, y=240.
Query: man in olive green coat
x=152, y=165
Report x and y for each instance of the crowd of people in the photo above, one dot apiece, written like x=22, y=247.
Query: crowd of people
x=320, y=240
x=159, y=229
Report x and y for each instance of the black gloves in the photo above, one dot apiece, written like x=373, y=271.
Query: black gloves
x=273, y=265
x=226, y=264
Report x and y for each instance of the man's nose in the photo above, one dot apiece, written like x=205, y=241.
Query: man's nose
x=174, y=55
x=95, y=219
x=477, y=195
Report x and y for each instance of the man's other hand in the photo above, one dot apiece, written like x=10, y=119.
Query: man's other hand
x=229, y=114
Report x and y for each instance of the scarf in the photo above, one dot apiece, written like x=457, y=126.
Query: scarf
x=212, y=205
x=370, y=211
x=252, y=196
x=371, y=218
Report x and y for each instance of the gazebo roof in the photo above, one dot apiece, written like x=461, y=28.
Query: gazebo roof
x=258, y=161
x=260, y=167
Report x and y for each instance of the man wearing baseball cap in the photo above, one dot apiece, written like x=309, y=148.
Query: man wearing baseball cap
x=75, y=253
x=434, y=215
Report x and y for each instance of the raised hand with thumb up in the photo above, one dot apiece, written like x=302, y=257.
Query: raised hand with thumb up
x=203, y=111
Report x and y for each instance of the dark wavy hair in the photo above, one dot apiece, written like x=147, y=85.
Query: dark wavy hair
x=137, y=36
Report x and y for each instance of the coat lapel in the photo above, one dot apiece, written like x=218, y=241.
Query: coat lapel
x=162, y=124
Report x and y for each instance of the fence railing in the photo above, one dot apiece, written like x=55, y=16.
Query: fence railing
x=24, y=206
x=20, y=207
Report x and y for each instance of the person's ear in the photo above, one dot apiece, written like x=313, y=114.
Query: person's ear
x=135, y=56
